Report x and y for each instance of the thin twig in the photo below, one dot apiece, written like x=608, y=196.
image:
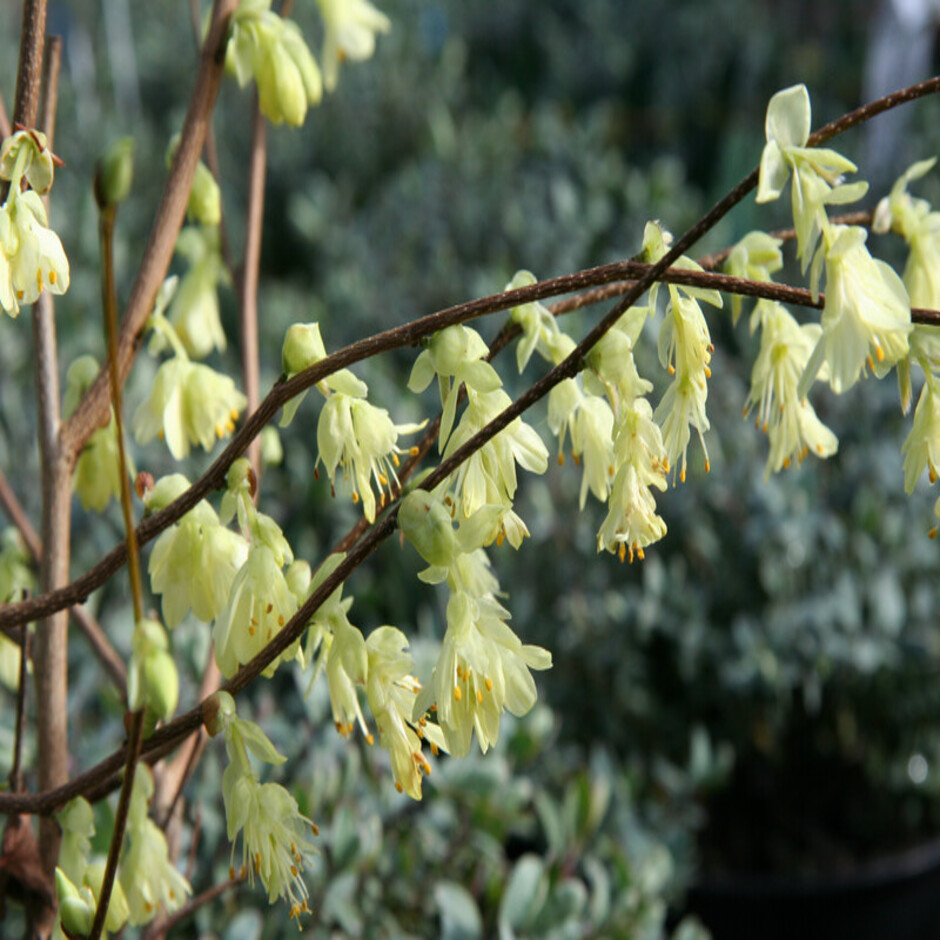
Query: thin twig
x=107, y=216
x=29, y=70
x=109, y=303
x=135, y=736
x=14, y=509
x=248, y=293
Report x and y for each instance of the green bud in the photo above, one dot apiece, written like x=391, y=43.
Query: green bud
x=118, y=911
x=82, y=372
x=75, y=913
x=162, y=683
x=427, y=524
x=303, y=346
x=27, y=152
x=115, y=173
x=165, y=491
x=218, y=710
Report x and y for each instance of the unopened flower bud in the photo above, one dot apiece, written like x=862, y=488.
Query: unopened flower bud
x=427, y=524
x=115, y=173
x=303, y=346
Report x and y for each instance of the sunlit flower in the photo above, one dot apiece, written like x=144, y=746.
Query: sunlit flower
x=632, y=522
x=31, y=256
x=259, y=605
x=816, y=172
x=391, y=691
x=788, y=419
x=271, y=49
x=189, y=403
x=150, y=880
x=194, y=563
x=483, y=669
x=866, y=318
x=921, y=449
x=362, y=440
x=589, y=421
x=488, y=476
x=755, y=257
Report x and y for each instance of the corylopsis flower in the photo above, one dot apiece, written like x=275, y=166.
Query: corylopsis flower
x=787, y=418
x=815, y=173
x=866, y=319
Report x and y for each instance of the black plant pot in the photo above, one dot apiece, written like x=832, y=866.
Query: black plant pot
x=896, y=898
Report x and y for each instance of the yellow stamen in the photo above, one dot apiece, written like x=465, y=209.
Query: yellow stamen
x=53, y=277
x=488, y=682
x=622, y=551
x=458, y=695
x=561, y=460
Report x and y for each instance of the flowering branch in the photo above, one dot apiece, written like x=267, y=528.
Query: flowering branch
x=406, y=335
x=98, y=779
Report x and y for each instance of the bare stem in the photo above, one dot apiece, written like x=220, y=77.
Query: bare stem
x=248, y=295
x=135, y=737
x=50, y=658
x=109, y=302
x=29, y=72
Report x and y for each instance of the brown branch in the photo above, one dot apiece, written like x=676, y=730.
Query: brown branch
x=50, y=659
x=94, y=409
x=248, y=293
x=29, y=71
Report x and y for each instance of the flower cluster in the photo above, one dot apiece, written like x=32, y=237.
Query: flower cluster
x=488, y=476
x=261, y=600
x=189, y=402
x=815, y=173
x=194, y=561
x=147, y=882
x=276, y=836
x=483, y=668
x=271, y=50
x=31, y=256
x=150, y=880
x=788, y=419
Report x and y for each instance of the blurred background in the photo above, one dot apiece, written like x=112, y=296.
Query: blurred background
x=761, y=695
